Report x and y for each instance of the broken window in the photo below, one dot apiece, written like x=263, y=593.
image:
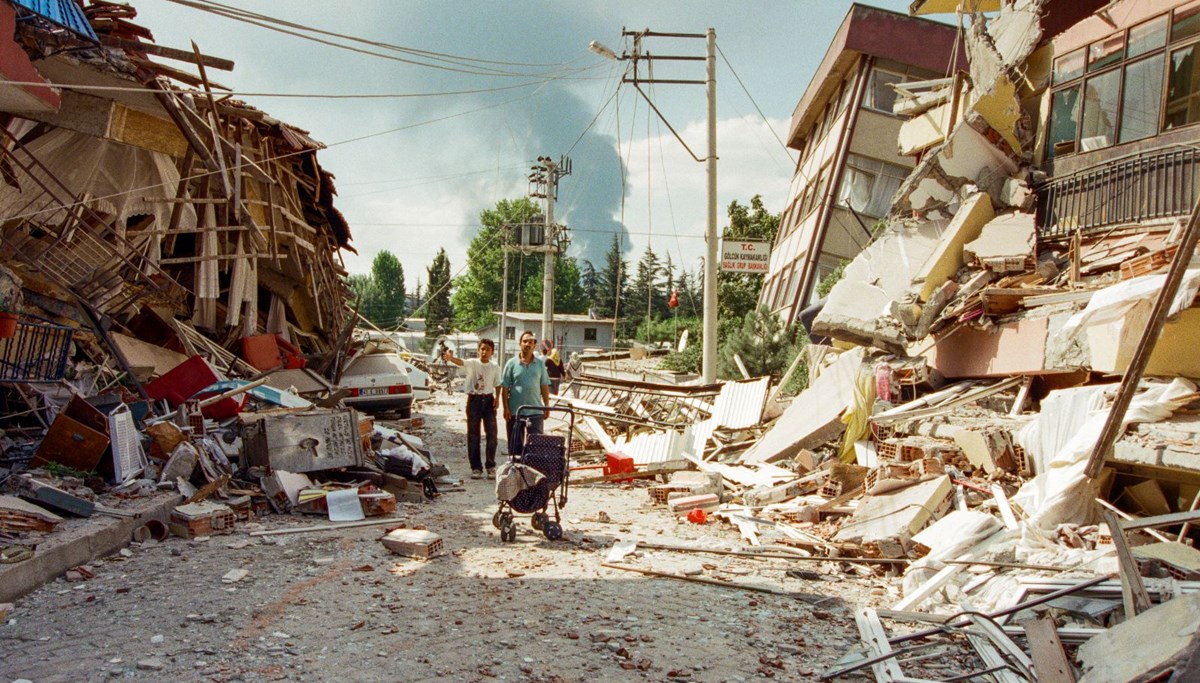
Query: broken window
x=1141, y=100
x=1182, y=89
x=868, y=185
x=1068, y=67
x=1106, y=52
x=1100, y=111
x=589, y=334
x=1186, y=22
x=1147, y=36
x=880, y=96
x=1064, y=121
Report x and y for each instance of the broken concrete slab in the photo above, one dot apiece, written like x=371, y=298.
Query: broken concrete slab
x=897, y=515
x=953, y=534
x=1161, y=639
x=967, y=156
x=1005, y=244
x=814, y=416
x=858, y=309
x=974, y=213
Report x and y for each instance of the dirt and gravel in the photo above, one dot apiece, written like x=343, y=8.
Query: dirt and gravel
x=338, y=606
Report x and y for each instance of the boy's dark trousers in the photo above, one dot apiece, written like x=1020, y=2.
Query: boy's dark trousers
x=481, y=408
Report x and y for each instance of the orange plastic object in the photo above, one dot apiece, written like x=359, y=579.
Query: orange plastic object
x=697, y=516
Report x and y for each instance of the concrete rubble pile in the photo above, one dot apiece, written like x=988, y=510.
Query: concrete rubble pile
x=176, y=306
x=1006, y=414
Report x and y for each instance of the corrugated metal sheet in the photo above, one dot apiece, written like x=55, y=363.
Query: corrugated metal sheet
x=65, y=13
x=740, y=404
x=654, y=447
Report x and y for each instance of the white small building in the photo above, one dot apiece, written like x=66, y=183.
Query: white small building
x=572, y=332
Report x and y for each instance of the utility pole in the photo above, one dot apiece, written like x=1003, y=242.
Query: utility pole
x=632, y=75
x=544, y=184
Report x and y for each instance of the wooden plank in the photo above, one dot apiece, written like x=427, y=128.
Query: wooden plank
x=870, y=629
x=997, y=650
x=1133, y=591
x=1161, y=520
x=1049, y=661
x=167, y=52
x=806, y=597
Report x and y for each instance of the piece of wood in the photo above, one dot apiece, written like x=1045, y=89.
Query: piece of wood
x=870, y=629
x=1161, y=520
x=1126, y=516
x=1049, y=661
x=998, y=651
x=1133, y=591
x=1115, y=423
x=1022, y=398
x=328, y=527
x=1006, y=511
x=166, y=52
x=806, y=597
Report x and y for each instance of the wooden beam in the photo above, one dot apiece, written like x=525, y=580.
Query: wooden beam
x=167, y=52
x=1133, y=591
x=1049, y=661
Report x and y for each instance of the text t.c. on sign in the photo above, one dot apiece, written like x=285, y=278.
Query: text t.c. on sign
x=745, y=256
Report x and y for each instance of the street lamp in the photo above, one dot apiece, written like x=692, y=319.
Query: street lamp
x=709, y=367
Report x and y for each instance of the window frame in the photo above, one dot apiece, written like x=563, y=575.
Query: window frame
x=591, y=334
x=1087, y=75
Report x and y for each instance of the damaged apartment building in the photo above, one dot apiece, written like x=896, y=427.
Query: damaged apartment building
x=144, y=210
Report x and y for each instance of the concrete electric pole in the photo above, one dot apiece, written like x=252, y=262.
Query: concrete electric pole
x=632, y=75
x=544, y=184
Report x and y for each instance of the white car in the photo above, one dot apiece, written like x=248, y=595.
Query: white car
x=379, y=383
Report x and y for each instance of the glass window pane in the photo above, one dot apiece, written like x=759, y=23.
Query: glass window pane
x=1147, y=36
x=1064, y=121
x=1068, y=67
x=1182, y=89
x=1099, y=111
x=1141, y=100
x=856, y=189
x=1186, y=22
x=880, y=95
x=1102, y=53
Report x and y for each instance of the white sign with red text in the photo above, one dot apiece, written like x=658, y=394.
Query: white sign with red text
x=745, y=256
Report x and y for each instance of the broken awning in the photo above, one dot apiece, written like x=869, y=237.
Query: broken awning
x=65, y=13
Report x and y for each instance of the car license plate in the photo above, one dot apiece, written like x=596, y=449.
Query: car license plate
x=373, y=391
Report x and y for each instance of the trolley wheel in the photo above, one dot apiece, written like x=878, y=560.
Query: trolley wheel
x=553, y=530
x=496, y=519
x=429, y=488
x=538, y=520
x=508, y=532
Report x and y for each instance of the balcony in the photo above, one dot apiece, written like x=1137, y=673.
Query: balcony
x=1125, y=191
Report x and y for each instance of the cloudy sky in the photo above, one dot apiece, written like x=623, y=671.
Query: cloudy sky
x=455, y=100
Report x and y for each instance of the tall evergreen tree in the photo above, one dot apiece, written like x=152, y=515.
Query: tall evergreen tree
x=439, y=314
x=645, y=300
x=589, y=281
x=388, y=275
x=611, y=282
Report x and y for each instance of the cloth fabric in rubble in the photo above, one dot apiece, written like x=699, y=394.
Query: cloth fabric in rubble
x=513, y=478
x=1112, y=304
x=1061, y=440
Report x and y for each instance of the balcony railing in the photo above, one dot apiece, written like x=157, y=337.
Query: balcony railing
x=37, y=353
x=1123, y=191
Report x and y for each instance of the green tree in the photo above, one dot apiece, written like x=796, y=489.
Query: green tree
x=569, y=296
x=477, y=292
x=611, y=281
x=738, y=293
x=439, y=314
x=646, y=300
x=387, y=309
x=588, y=281
x=765, y=345
x=363, y=286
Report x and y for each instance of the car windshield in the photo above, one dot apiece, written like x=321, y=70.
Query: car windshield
x=376, y=364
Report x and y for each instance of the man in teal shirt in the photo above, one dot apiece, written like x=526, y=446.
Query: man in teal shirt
x=524, y=383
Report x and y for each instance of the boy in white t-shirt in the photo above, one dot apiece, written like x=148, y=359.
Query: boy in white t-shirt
x=483, y=397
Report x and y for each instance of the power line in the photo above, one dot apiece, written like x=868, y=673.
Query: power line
x=278, y=25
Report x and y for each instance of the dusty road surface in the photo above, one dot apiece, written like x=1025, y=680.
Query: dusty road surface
x=326, y=606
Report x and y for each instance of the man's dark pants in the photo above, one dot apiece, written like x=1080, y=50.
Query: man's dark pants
x=481, y=408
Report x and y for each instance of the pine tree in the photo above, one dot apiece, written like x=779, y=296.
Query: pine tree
x=612, y=281
x=763, y=343
x=645, y=296
x=439, y=314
